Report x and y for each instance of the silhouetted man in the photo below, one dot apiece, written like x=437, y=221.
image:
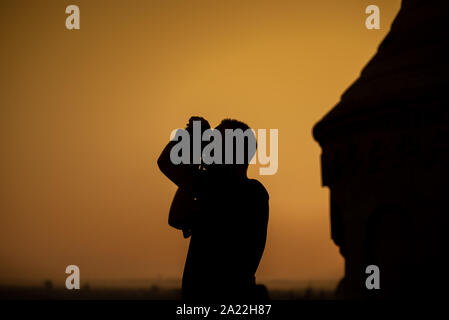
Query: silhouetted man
x=226, y=214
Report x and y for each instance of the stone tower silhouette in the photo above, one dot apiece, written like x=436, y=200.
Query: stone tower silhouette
x=385, y=158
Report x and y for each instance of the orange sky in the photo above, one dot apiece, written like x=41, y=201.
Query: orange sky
x=84, y=115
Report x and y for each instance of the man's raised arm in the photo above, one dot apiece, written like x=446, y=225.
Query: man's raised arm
x=176, y=173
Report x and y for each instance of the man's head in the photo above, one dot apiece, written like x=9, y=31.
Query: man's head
x=238, y=146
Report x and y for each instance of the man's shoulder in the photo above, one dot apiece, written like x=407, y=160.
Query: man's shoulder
x=258, y=188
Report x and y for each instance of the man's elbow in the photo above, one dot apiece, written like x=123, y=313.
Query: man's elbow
x=172, y=222
x=161, y=163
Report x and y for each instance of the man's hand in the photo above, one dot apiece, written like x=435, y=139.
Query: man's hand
x=179, y=174
x=204, y=124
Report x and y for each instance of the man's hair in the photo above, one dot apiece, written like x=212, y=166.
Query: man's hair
x=236, y=124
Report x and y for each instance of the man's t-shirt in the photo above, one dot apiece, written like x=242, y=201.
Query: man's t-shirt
x=228, y=239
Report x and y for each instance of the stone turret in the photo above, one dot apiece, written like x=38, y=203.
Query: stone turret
x=385, y=158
